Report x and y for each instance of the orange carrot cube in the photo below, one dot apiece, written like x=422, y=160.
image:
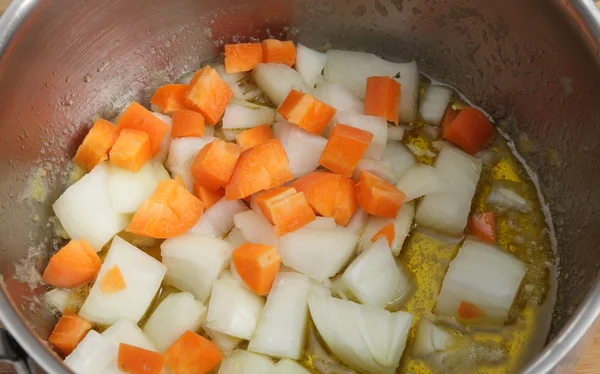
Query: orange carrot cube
x=214, y=164
x=255, y=136
x=131, y=150
x=483, y=225
x=96, y=145
x=286, y=209
x=257, y=265
x=206, y=196
x=471, y=130
x=345, y=148
x=187, y=123
x=112, y=281
x=382, y=98
x=73, y=265
x=242, y=57
x=170, y=98
x=279, y=52
x=378, y=197
x=306, y=112
x=136, y=117
x=266, y=198
x=469, y=311
x=136, y=360
x=192, y=354
x=388, y=231
x=208, y=94
x=68, y=333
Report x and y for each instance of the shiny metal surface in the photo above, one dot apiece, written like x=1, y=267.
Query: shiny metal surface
x=533, y=64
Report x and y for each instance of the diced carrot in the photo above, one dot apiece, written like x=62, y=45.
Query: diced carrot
x=242, y=57
x=483, y=225
x=73, y=265
x=136, y=360
x=470, y=130
x=206, y=196
x=467, y=310
x=96, y=145
x=345, y=148
x=279, y=52
x=187, y=123
x=68, y=332
x=388, y=231
x=382, y=98
x=306, y=112
x=378, y=197
x=136, y=117
x=255, y=136
x=330, y=195
x=285, y=208
x=113, y=281
x=449, y=116
x=265, y=199
x=215, y=163
x=170, y=98
x=259, y=168
x=257, y=265
x=208, y=94
x=170, y=211
x=131, y=150
x=192, y=354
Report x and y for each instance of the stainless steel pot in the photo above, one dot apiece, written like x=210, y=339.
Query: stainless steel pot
x=533, y=64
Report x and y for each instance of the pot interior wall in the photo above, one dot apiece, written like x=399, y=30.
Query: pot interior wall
x=75, y=60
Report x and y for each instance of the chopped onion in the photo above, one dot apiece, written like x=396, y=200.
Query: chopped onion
x=358, y=221
x=448, y=210
x=434, y=102
x=182, y=153
x=244, y=362
x=277, y=80
x=420, y=180
x=282, y=326
x=58, y=298
x=217, y=221
x=194, y=262
x=404, y=288
x=177, y=313
x=402, y=225
x=431, y=338
x=241, y=114
x=341, y=289
x=142, y=275
x=505, y=198
x=85, y=209
x=338, y=97
x=229, y=134
x=302, y=148
x=321, y=223
x=485, y=276
x=235, y=237
x=399, y=157
x=318, y=288
x=186, y=78
x=92, y=355
x=375, y=125
x=255, y=228
x=161, y=156
x=286, y=366
x=224, y=342
x=233, y=310
x=231, y=79
x=381, y=169
x=309, y=64
x=129, y=190
x=395, y=133
x=128, y=332
x=364, y=337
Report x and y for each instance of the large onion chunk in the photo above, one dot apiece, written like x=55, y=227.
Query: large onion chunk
x=338, y=97
x=182, y=153
x=358, y=221
x=277, y=80
x=128, y=190
x=399, y=157
x=402, y=225
x=245, y=362
x=303, y=149
x=255, y=228
x=93, y=355
x=434, y=102
x=240, y=114
x=217, y=220
x=309, y=64
x=375, y=125
x=418, y=181
x=431, y=338
x=58, y=298
x=142, y=275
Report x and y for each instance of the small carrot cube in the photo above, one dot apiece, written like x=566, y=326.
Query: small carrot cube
x=388, y=231
x=73, y=265
x=214, y=164
x=136, y=360
x=131, y=150
x=192, y=353
x=170, y=98
x=286, y=209
x=306, y=112
x=187, y=123
x=259, y=168
x=242, y=57
x=112, y=281
x=382, y=98
x=483, y=225
x=279, y=52
x=208, y=94
x=468, y=310
x=345, y=148
x=255, y=136
x=206, y=196
x=96, y=145
x=257, y=265
x=68, y=333
x=136, y=117
x=470, y=130
x=378, y=197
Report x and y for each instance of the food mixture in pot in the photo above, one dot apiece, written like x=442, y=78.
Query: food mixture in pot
x=287, y=211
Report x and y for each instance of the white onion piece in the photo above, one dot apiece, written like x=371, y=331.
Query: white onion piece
x=182, y=153
x=228, y=134
x=373, y=276
x=485, y=276
x=217, y=220
x=302, y=148
x=358, y=221
x=420, y=180
x=286, y=366
x=317, y=288
x=375, y=125
x=434, y=102
x=128, y=190
x=506, y=198
x=186, y=78
x=338, y=97
x=231, y=79
x=320, y=254
x=58, y=298
x=255, y=228
x=142, y=275
x=277, y=80
x=128, y=332
x=309, y=64
x=174, y=315
x=431, y=338
x=282, y=326
x=224, y=342
x=402, y=225
x=321, y=223
x=85, y=209
x=233, y=310
x=381, y=169
x=161, y=156
x=241, y=114
x=447, y=211
x=351, y=70
x=244, y=362
x=92, y=355
x=194, y=262
x=226, y=275
x=235, y=237
x=404, y=289
x=341, y=289
x=364, y=337
x=395, y=133
x=399, y=157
